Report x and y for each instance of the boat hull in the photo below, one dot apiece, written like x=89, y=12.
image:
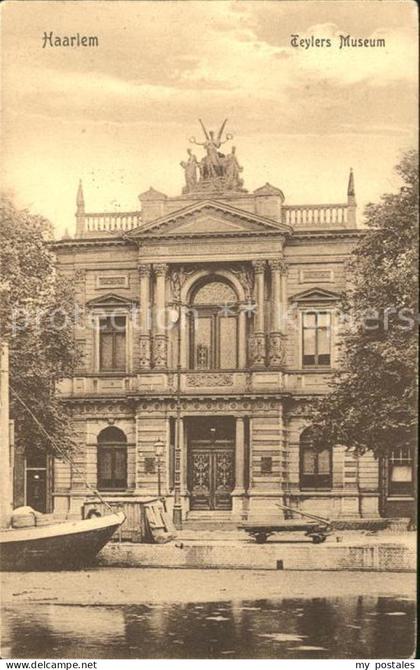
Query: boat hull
x=68, y=545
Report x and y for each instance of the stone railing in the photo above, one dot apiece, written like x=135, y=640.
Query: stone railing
x=111, y=221
x=310, y=216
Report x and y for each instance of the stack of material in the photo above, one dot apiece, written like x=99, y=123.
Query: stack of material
x=27, y=517
x=23, y=517
x=160, y=526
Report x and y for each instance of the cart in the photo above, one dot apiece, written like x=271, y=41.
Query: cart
x=317, y=529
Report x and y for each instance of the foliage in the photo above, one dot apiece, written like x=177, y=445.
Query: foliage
x=37, y=319
x=372, y=402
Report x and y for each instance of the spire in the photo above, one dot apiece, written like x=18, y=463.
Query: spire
x=80, y=199
x=350, y=187
x=351, y=201
x=80, y=212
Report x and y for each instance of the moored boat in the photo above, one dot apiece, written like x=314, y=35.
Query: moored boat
x=58, y=546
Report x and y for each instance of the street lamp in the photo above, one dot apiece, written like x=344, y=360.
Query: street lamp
x=159, y=448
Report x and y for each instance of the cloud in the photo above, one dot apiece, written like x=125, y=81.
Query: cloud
x=135, y=100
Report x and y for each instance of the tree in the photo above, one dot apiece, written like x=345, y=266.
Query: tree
x=372, y=403
x=37, y=316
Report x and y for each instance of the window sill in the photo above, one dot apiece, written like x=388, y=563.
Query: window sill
x=110, y=373
x=117, y=492
x=317, y=368
x=318, y=489
x=401, y=497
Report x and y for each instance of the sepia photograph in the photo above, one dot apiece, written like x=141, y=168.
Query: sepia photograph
x=208, y=332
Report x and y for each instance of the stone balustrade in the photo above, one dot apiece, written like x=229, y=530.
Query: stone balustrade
x=313, y=216
x=111, y=221
x=297, y=216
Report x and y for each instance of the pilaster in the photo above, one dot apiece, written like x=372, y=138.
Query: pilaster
x=257, y=343
x=144, y=338
x=160, y=339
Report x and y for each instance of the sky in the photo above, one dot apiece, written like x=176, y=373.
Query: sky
x=119, y=116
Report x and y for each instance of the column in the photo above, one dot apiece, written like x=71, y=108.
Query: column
x=183, y=457
x=144, y=342
x=257, y=347
x=160, y=336
x=239, y=457
x=276, y=353
x=179, y=476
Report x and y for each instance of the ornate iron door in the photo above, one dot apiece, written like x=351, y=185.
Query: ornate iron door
x=211, y=477
x=200, y=479
x=223, y=478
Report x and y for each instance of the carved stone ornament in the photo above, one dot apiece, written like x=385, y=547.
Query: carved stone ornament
x=160, y=269
x=175, y=282
x=80, y=275
x=145, y=269
x=276, y=352
x=160, y=348
x=259, y=266
x=210, y=379
x=246, y=279
x=257, y=350
x=144, y=356
x=278, y=264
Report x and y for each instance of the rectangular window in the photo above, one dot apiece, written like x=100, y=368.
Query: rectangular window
x=203, y=337
x=316, y=339
x=227, y=342
x=112, y=467
x=214, y=338
x=315, y=468
x=112, y=343
x=400, y=471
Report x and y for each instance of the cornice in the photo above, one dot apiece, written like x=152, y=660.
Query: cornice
x=234, y=234
x=334, y=233
x=134, y=397
x=190, y=210
x=91, y=242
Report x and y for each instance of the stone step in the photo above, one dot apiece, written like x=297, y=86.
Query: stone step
x=209, y=515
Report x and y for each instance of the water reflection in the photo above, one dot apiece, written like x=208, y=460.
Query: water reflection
x=359, y=627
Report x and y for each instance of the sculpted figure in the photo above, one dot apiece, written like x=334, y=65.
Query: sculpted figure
x=190, y=171
x=232, y=170
x=212, y=164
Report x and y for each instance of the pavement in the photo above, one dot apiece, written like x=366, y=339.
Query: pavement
x=358, y=551
x=347, y=537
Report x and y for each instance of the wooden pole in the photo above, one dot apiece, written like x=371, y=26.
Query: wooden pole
x=6, y=491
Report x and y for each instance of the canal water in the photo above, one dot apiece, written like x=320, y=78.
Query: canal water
x=322, y=627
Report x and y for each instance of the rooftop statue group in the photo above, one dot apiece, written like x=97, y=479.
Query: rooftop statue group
x=215, y=171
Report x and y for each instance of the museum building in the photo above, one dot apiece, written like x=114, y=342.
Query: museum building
x=209, y=324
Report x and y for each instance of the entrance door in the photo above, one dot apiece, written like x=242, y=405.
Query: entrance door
x=211, y=475
x=36, y=489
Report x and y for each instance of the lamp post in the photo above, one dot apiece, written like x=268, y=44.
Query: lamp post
x=159, y=447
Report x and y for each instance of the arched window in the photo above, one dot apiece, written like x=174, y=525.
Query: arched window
x=214, y=326
x=112, y=459
x=315, y=465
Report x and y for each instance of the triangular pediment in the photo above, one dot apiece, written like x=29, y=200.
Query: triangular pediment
x=315, y=295
x=108, y=301
x=209, y=218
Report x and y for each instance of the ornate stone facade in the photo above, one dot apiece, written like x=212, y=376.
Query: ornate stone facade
x=219, y=363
